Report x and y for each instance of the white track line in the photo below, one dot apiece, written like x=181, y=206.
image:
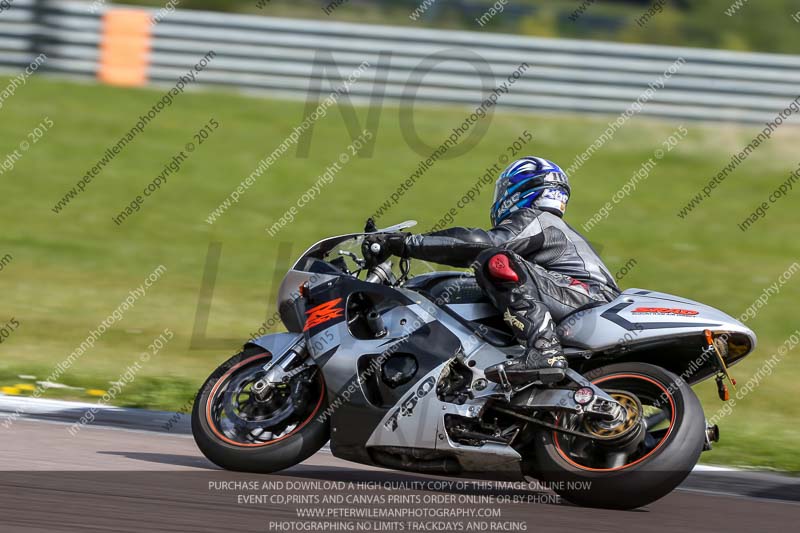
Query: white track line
x=32, y=407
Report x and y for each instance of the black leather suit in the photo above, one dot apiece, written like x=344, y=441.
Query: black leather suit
x=559, y=272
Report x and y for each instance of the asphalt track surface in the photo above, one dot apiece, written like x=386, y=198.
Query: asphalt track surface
x=112, y=479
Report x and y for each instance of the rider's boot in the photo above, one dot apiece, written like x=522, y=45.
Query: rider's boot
x=543, y=360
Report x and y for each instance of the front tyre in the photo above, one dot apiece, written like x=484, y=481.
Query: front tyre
x=237, y=430
x=646, y=462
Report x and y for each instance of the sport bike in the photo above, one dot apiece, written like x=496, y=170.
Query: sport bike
x=389, y=367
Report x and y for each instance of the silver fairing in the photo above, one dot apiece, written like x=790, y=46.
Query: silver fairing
x=638, y=316
x=422, y=427
x=419, y=416
x=418, y=420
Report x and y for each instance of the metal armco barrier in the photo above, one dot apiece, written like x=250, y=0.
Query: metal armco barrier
x=290, y=57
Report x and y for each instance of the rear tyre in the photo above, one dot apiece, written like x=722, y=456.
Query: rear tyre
x=237, y=432
x=650, y=460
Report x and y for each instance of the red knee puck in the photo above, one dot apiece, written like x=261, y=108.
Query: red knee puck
x=500, y=268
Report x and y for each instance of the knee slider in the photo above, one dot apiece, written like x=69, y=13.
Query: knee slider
x=499, y=268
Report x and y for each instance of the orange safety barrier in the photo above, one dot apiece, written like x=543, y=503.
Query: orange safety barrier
x=125, y=47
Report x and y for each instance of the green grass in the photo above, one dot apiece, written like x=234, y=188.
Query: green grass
x=69, y=271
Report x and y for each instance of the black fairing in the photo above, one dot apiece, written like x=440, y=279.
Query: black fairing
x=448, y=287
x=453, y=287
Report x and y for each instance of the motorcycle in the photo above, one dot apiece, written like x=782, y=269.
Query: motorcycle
x=389, y=367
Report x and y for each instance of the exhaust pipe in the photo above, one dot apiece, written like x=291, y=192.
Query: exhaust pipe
x=441, y=466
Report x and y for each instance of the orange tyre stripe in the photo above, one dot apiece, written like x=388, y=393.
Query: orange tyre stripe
x=651, y=452
x=210, y=418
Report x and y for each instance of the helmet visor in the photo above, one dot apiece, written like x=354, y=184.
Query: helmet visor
x=499, y=191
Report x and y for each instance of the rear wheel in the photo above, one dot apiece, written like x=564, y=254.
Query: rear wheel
x=238, y=429
x=642, y=456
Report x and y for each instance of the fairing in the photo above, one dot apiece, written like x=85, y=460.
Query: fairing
x=638, y=316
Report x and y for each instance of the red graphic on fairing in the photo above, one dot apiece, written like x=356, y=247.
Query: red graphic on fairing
x=665, y=311
x=323, y=313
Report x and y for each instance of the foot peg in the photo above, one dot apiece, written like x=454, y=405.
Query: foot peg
x=522, y=376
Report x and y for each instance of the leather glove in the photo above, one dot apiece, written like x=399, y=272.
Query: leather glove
x=390, y=244
x=395, y=243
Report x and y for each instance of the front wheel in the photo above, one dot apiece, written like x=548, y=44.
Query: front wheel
x=238, y=429
x=638, y=459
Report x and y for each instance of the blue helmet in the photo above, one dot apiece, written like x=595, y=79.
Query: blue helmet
x=530, y=181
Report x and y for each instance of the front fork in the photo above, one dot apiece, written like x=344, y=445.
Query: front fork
x=277, y=369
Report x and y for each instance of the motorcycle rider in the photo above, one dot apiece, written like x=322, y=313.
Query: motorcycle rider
x=534, y=267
